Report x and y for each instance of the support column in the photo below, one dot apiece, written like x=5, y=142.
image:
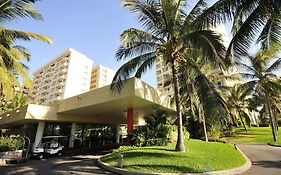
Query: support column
x=39, y=133
x=72, y=135
x=117, y=134
x=130, y=123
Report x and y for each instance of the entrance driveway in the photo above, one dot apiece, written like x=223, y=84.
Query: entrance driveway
x=265, y=159
x=81, y=164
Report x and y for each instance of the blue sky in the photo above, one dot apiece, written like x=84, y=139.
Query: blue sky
x=92, y=27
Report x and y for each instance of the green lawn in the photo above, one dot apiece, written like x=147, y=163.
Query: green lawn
x=202, y=156
x=254, y=135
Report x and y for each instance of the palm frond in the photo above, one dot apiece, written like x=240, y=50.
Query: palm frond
x=127, y=69
x=14, y=9
x=210, y=44
x=148, y=14
x=241, y=42
x=275, y=66
x=21, y=35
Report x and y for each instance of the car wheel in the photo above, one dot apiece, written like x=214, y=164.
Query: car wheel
x=59, y=153
x=40, y=156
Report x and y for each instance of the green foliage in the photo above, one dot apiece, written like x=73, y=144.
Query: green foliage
x=13, y=71
x=163, y=159
x=10, y=144
x=157, y=131
x=227, y=132
x=214, y=133
x=254, y=135
x=194, y=128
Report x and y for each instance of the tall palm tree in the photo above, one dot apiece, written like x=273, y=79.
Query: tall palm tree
x=199, y=82
x=11, y=55
x=170, y=34
x=253, y=21
x=264, y=81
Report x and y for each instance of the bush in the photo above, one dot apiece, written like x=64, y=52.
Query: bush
x=10, y=144
x=158, y=131
x=279, y=122
x=264, y=125
x=194, y=128
x=228, y=132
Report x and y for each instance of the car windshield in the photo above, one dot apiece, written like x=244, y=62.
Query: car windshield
x=49, y=143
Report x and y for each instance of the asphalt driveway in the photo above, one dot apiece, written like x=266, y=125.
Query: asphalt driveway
x=265, y=159
x=80, y=165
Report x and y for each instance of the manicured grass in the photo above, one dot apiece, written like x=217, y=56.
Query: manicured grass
x=201, y=157
x=254, y=135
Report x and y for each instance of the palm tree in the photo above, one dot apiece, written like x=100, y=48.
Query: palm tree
x=199, y=82
x=170, y=34
x=253, y=21
x=11, y=55
x=264, y=81
x=238, y=104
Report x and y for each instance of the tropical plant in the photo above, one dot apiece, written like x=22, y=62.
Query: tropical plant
x=169, y=34
x=238, y=104
x=200, y=83
x=263, y=81
x=254, y=21
x=11, y=54
x=20, y=99
x=158, y=130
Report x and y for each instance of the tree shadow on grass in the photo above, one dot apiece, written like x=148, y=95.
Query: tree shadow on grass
x=150, y=155
x=161, y=168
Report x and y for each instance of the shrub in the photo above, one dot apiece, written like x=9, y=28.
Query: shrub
x=279, y=122
x=228, y=132
x=194, y=128
x=158, y=131
x=10, y=144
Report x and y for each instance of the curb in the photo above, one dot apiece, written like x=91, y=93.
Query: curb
x=272, y=144
x=232, y=171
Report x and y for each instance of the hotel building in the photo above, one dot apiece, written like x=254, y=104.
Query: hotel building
x=65, y=76
x=163, y=75
x=101, y=76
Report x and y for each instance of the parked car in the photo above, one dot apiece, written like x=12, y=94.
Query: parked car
x=49, y=146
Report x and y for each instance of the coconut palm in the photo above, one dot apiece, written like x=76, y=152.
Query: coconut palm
x=170, y=34
x=238, y=104
x=263, y=81
x=11, y=55
x=199, y=82
x=253, y=21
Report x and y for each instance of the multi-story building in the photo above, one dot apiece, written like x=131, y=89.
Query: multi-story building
x=65, y=76
x=101, y=76
x=163, y=75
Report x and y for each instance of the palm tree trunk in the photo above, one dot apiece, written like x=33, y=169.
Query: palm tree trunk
x=242, y=121
x=272, y=119
x=234, y=121
x=204, y=127
x=201, y=117
x=180, y=141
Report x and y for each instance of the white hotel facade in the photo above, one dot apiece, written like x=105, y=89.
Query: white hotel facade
x=69, y=74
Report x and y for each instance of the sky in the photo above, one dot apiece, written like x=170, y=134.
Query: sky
x=91, y=27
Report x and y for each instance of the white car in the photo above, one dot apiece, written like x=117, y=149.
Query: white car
x=49, y=145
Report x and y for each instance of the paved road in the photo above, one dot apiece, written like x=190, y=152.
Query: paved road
x=79, y=165
x=265, y=159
